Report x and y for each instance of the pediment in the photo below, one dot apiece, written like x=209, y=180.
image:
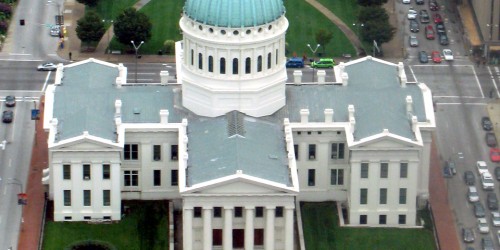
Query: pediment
x=86, y=144
x=386, y=141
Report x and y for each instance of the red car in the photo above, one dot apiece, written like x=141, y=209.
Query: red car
x=437, y=18
x=436, y=57
x=495, y=154
x=429, y=32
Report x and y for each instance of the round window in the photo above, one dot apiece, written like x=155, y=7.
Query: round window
x=248, y=32
x=236, y=32
x=200, y=27
x=260, y=30
x=223, y=32
x=270, y=27
x=211, y=30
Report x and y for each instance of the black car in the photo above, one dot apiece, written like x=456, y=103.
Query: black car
x=486, y=123
x=468, y=235
x=423, y=57
x=451, y=165
x=419, y=2
x=7, y=116
x=443, y=39
x=440, y=29
x=497, y=173
x=491, y=140
x=479, y=210
x=487, y=243
x=469, y=178
x=492, y=201
x=10, y=101
x=424, y=16
x=414, y=27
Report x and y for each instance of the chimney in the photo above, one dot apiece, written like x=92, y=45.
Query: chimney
x=402, y=75
x=341, y=68
x=297, y=77
x=164, y=116
x=118, y=108
x=54, y=123
x=321, y=76
x=328, y=115
x=414, y=122
x=352, y=123
x=345, y=78
x=164, y=77
x=350, y=109
x=304, y=115
x=118, y=82
x=409, y=105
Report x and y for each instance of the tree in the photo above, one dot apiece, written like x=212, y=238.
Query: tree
x=379, y=31
x=90, y=27
x=371, y=2
x=169, y=47
x=323, y=37
x=373, y=13
x=88, y=2
x=131, y=25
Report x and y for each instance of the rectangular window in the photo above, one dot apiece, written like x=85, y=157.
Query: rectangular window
x=383, y=196
x=382, y=219
x=336, y=177
x=279, y=212
x=86, y=171
x=363, y=219
x=106, y=197
x=238, y=212
x=337, y=151
x=197, y=212
x=384, y=170
x=131, y=152
x=402, y=219
x=312, y=151
x=174, y=152
x=67, y=197
x=131, y=178
x=157, y=152
x=174, y=178
x=259, y=212
x=364, y=170
x=157, y=178
x=402, y=196
x=67, y=172
x=363, y=196
x=311, y=177
x=106, y=171
x=86, y=197
x=403, y=170
x=217, y=212
x=296, y=151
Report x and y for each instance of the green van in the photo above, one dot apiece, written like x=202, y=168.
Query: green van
x=323, y=63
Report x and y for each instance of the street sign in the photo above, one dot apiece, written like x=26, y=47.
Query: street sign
x=22, y=199
x=59, y=19
x=35, y=114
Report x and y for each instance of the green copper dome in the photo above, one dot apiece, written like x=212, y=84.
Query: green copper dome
x=234, y=13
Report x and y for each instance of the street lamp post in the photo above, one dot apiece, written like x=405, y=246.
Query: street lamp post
x=357, y=26
x=314, y=52
x=136, y=50
x=108, y=31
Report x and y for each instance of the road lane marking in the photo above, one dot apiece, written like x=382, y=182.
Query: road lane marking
x=142, y=73
x=477, y=81
x=21, y=60
x=460, y=103
x=493, y=78
x=413, y=74
x=455, y=96
x=10, y=163
x=441, y=65
x=19, y=54
x=46, y=80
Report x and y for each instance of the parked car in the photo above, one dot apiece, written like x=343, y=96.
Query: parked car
x=7, y=116
x=492, y=201
x=424, y=16
x=47, y=67
x=436, y=57
x=482, y=167
x=295, y=62
x=448, y=54
x=468, y=235
x=487, y=243
x=451, y=165
x=478, y=210
x=412, y=14
x=413, y=41
x=429, y=32
x=498, y=236
x=472, y=194
x=440, y=29
x=486, y=123
x=482, y=226
x=10, y=101
x=406, y=1
x=497, y=173
x=495, y=154
x=443, y=39
x=487, y=181
x=491, y=139
x=433, y=5
x=423, y=57
x=437, y=18
x=323, y=63
x=495, y=218
x=419, y=2
x=469, y=178
x=414, y=27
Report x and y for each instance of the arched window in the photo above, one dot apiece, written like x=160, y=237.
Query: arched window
x=200, y=61
x=259, y=64
x=248, y=65
x=192, y=57
x=269, y=61
x=235, y=66
x=210, y=64
x=223, y=65
x=276, y=56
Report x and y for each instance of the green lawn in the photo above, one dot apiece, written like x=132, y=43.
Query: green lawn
x=146, y=227
x=322, y=231
x=346, y=10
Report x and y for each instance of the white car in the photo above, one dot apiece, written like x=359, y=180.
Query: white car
x=412, y=14
x=448, y=54
x=406, y=1
x=482, y=226
x=482, y=167
x=487, y=181
x=498, y=236
x=495, y=218
x=472, y=194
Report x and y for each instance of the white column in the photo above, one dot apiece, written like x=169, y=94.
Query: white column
x=269, y=237
x=249, y=217
x=289, y=227
x=187, y=228
x=227, y=237
x=207, y=228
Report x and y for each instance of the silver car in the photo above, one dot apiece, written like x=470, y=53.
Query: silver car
x=47, y=67
x=413, y=41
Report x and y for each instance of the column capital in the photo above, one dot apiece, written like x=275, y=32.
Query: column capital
x=207, y=208
x=228, y=208
x=187, y=208
x=270, y=207
x=249, y=207
x=289, y=207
